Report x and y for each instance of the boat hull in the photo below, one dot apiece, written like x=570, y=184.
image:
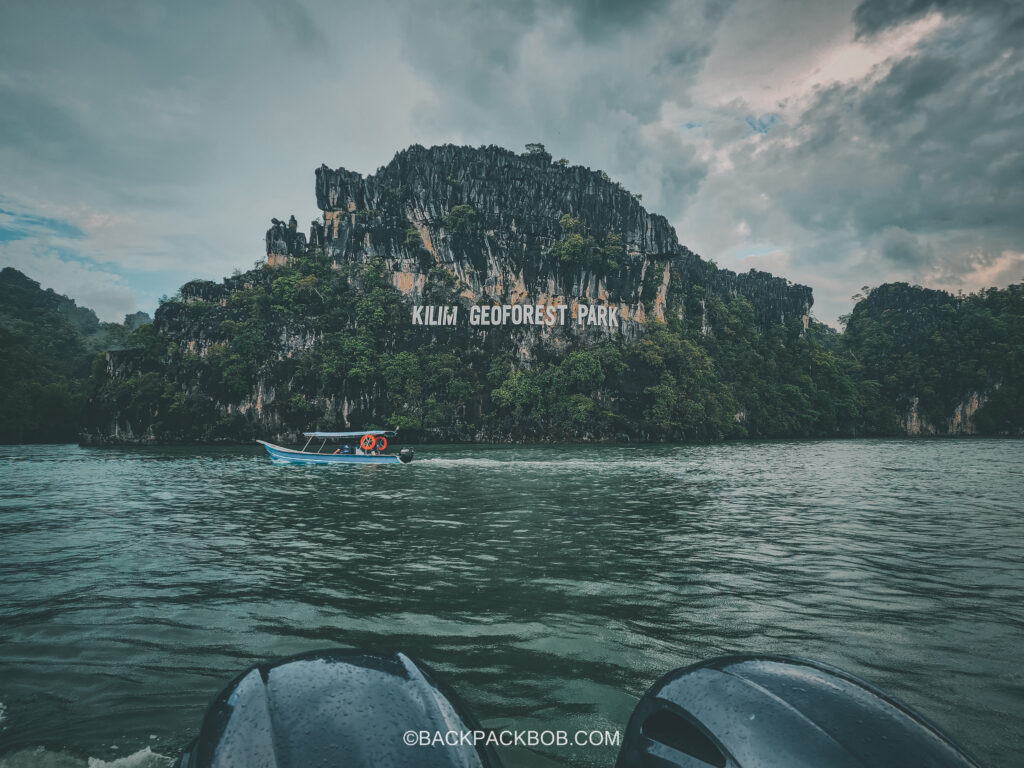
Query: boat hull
x=289, y=456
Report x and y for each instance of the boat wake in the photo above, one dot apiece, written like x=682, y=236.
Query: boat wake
x=562, y=465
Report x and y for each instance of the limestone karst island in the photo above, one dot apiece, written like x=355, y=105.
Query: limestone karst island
x=323, y=333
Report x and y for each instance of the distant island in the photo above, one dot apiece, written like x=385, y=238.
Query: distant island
x=48, y=345
x=322, y=336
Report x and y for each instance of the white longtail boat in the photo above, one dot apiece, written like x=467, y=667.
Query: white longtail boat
x=368, y=450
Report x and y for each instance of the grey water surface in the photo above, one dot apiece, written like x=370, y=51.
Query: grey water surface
x=548, y=586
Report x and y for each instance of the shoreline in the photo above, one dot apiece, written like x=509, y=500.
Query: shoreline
x=610, y=442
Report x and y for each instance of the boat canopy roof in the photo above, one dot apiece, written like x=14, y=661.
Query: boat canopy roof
x=360, y=433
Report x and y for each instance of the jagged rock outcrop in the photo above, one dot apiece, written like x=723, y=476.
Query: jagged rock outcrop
x=493, y=219
x=285, y=240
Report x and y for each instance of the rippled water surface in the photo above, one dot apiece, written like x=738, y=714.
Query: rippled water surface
x=549, y=586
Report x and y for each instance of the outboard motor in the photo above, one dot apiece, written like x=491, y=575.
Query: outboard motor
x=332, y=708
x=405, y=455
x=770, y=712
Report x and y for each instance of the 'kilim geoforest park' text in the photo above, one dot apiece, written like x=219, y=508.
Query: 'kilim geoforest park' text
x=519, y=314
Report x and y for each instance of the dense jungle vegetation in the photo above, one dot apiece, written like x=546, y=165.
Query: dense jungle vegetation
x=47, y=345
x=710, y=374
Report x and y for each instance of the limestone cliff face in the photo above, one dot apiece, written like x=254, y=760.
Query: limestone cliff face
x=493, y=219
x=961, y=423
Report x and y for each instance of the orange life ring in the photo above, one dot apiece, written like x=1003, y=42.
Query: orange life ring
x=367, y=442
x=382, y=443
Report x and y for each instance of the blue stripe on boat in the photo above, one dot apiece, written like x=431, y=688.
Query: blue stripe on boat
x=290, y=456
x=385, y=432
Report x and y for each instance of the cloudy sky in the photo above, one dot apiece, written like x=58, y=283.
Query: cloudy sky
x=838, y=144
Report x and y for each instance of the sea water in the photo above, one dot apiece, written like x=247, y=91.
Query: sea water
x=548, y=586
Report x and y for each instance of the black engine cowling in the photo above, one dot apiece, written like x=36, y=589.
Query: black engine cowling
x=777, y=712
x=333, y=708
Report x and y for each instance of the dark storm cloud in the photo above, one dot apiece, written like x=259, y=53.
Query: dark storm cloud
x=933, y=146
x=873, y=16
x=902, y=248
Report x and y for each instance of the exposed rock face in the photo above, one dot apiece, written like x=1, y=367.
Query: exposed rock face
x=284, y=240
x=491, y=218
x=961, y=423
